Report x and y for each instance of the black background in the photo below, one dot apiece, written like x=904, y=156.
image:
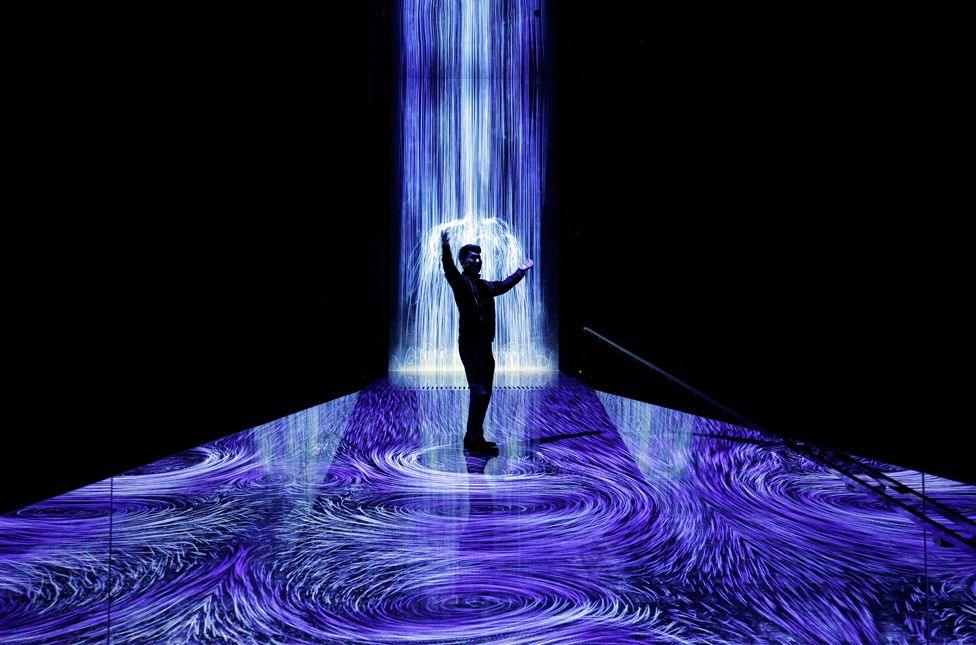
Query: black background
x=214, y=255
x=769, y=205
x=772, y=206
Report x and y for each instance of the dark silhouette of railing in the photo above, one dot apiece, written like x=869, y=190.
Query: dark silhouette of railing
x=957, y=529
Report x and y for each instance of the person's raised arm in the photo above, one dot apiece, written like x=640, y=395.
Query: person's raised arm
x=498, y=287
x=450, y=269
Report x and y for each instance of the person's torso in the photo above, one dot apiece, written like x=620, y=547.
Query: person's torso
x=476, y=308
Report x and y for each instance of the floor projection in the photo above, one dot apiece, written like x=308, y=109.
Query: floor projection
x=603, y=519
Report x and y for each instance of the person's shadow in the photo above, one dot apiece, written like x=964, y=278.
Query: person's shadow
x=476, y=463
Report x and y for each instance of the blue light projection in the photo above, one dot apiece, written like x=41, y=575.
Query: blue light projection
x=602, y=520
x=472, y=158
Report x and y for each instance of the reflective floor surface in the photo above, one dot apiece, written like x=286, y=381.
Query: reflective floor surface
x=602, y=519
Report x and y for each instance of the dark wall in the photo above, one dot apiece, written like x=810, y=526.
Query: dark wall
x=772, y=207
x=214, y=255
x=768, y=205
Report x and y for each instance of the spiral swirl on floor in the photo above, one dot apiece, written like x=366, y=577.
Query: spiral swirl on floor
x=363, y=520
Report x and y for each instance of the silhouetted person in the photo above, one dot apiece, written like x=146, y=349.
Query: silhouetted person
x=476, y=308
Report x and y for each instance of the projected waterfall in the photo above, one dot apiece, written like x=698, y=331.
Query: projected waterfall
x=472, y=161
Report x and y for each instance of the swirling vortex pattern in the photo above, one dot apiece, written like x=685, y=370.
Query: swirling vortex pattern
x=361, y=520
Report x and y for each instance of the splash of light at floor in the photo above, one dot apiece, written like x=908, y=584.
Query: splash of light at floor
x=472, y=159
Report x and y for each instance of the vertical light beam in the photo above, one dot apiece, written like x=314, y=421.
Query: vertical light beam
x=472, y=161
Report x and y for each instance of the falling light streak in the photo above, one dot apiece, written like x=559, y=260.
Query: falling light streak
x=472, y=158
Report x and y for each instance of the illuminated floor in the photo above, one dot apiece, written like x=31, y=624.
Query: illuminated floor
x=602, y=518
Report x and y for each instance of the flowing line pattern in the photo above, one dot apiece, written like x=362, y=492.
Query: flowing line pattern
x=472, y=158
x=603, y=518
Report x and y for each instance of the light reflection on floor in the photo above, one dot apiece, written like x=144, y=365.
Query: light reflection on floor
x=362, y=520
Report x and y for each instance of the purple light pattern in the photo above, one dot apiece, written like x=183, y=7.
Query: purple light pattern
x=472, y=158
x=603, y=518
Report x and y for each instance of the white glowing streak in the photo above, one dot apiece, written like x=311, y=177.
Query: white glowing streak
x=500, y=249
x=472, y=162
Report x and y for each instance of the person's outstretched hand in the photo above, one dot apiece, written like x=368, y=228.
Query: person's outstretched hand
x=445, y=237
x=528, y=264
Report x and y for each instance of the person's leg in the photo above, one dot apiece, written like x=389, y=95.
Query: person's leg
x=487, y=380
x=481, y=387
x=479, y=370
x=470, y=359
x=480, y=396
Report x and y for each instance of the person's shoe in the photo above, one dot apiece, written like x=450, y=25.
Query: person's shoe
x=484, y=449
x=478, y=446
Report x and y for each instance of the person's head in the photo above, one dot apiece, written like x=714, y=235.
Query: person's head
x=469, y=256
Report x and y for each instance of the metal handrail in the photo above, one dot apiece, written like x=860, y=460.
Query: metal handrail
x=815, y=456
x=674, y=379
